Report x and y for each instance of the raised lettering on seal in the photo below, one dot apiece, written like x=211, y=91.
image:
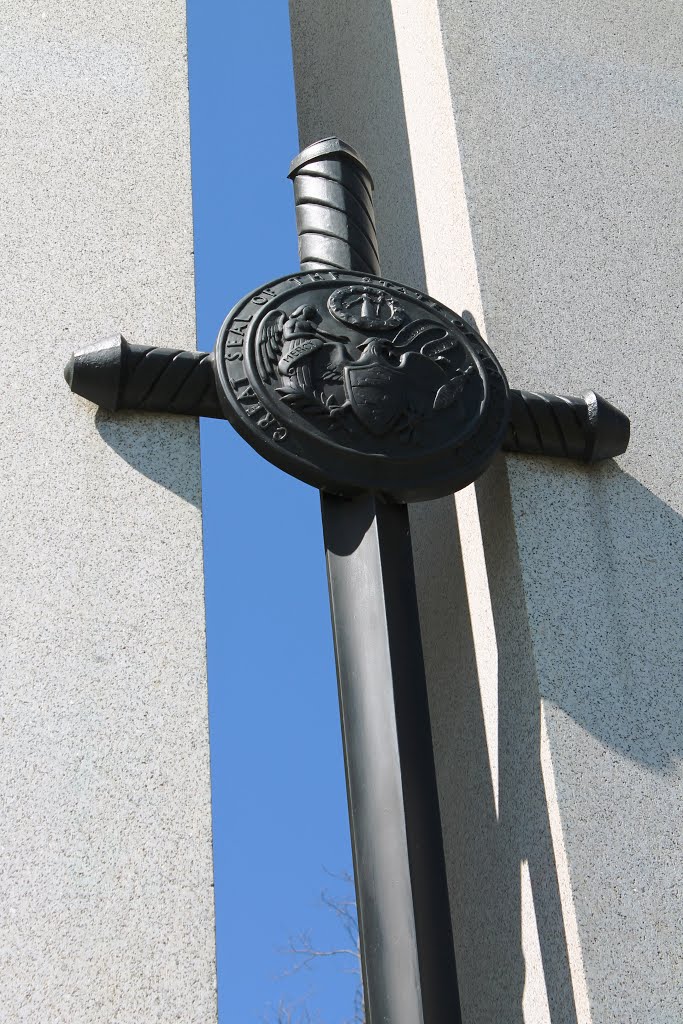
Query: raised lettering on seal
x=240, y=324
x=248, y=395
x=264, y=295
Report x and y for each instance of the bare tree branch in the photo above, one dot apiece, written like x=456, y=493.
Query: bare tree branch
x=304, y=955
x=289, y=1013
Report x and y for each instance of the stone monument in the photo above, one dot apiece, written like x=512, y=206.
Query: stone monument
x=544, y=779
x=105, y=838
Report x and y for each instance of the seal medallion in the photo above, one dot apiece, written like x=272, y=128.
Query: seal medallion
x=354, y=383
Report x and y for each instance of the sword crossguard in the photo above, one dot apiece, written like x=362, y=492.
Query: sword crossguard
x=117, y=375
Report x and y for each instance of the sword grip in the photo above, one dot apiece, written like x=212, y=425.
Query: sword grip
x=588, y=428
x=335, y=217
x=116, y=375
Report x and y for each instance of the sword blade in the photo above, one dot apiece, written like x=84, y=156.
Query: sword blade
x=407, y=950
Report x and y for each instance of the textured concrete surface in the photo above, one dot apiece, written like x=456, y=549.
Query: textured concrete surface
x=105, y=836
x=524, y=165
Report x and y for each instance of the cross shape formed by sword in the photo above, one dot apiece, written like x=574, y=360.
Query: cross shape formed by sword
x=379, y=396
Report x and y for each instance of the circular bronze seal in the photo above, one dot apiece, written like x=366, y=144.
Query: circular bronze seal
x=354, y=383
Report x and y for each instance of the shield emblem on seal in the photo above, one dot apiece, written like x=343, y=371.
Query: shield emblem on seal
x=377, y=393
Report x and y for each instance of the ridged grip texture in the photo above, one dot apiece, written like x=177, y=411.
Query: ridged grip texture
x=334, y=210
x=587, y=428
x=168, y=380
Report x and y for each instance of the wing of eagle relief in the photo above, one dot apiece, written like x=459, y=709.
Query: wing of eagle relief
x=271, y=359
x=269, y=348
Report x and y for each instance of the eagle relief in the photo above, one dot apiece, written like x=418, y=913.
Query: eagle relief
x=366, y=381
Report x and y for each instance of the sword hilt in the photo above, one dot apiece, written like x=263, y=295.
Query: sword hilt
x=116, y=375
x=335, y=217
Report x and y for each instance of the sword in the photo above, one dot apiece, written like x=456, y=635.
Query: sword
x=367, y=412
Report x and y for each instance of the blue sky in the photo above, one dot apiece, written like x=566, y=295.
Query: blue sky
x=279, y=802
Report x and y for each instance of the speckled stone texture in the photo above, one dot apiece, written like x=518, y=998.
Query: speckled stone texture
x=525, y=159
x=106, y=914
x=570, y=138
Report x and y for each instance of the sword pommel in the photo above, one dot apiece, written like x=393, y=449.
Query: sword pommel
x=609, y=429
x=335, y=217
x=95, y=372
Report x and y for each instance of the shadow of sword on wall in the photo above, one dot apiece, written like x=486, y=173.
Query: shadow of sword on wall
x=379, y=396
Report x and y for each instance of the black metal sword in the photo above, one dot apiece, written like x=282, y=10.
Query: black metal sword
x=378, y=395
